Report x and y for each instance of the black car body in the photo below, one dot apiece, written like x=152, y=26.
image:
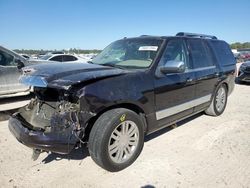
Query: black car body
x=244, y=72
x=70, y=98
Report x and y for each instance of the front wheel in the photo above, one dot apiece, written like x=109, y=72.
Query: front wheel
x=116, y=139
x=219, y=101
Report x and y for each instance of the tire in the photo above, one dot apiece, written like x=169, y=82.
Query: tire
x=113, y=151
x=213, y=109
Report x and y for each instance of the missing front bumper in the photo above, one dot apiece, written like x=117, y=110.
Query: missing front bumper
x=58, y=142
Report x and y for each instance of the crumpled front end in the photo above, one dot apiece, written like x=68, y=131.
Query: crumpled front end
x=55, y=120
x=50, y=122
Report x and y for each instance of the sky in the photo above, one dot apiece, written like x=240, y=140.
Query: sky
x=93, y=24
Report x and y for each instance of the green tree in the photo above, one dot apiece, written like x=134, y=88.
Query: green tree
x=238, y=45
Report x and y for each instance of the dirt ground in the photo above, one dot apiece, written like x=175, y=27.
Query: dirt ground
x=203, y=151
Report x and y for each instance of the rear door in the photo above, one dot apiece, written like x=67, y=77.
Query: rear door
x=205, y=69
x=174, y=93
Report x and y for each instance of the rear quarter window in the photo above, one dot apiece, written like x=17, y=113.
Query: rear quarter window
x=222, y=52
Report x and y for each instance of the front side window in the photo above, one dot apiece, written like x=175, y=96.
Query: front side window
x=175, y=51
x=129, y=53
x=6, y=59
x=200, y=53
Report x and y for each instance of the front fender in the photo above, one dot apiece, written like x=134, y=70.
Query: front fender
x=136, y=89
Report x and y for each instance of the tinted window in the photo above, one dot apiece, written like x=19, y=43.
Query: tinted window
x=57, y=52
x=25, y=56
x=223, y=52
x=175, y=51
x=69, y=58
x=6, y=59
x=56, y=58
x=200, y=53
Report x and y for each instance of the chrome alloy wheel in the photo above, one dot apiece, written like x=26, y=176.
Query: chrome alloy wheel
x=220, y=99
x=123, y=142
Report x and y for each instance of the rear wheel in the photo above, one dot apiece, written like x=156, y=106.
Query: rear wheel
x=116, y=139
x=219, y=102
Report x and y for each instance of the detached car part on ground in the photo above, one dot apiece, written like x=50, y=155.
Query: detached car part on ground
x=132, y=88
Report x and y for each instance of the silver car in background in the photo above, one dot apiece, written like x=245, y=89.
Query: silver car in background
x=11, y=65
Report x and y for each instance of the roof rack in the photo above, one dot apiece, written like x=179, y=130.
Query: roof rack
x=184, y=34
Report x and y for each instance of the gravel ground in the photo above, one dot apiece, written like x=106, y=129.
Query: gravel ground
x=203, y=151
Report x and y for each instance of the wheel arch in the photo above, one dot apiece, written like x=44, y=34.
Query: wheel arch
x=219, y=84
x=130, y=106
x=226, y=84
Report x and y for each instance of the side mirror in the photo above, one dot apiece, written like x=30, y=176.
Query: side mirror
x=19, y=63
x=173, y=67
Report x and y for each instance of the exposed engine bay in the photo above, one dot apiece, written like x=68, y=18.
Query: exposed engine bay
x=50, y=113
x=55, y=114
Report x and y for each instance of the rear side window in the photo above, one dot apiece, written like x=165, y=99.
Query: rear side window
x=57, y=58
x=69, y=58
x=200, y=53
x=223, y=52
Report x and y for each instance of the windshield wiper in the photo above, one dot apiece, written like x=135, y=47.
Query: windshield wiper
x=113, y=65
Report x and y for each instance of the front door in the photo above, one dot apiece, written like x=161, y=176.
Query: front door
x=175, y=92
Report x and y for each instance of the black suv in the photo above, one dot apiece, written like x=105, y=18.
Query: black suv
x=134, y=87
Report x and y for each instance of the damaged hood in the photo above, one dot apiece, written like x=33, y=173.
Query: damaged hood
x=64, y=75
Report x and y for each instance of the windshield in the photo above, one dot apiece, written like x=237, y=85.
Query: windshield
x=129, y=53
x=46, y=57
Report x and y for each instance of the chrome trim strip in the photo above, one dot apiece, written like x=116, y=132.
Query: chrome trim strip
x=201, y=69
x=182, y=107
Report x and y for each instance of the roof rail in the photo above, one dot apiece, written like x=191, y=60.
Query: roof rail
x=184, y=34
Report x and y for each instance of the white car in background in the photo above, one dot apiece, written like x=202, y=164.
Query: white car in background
x=63, y=58
x=88, y=57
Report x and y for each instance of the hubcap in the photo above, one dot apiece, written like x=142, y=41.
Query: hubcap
x=220, y=99
x=123, y=141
